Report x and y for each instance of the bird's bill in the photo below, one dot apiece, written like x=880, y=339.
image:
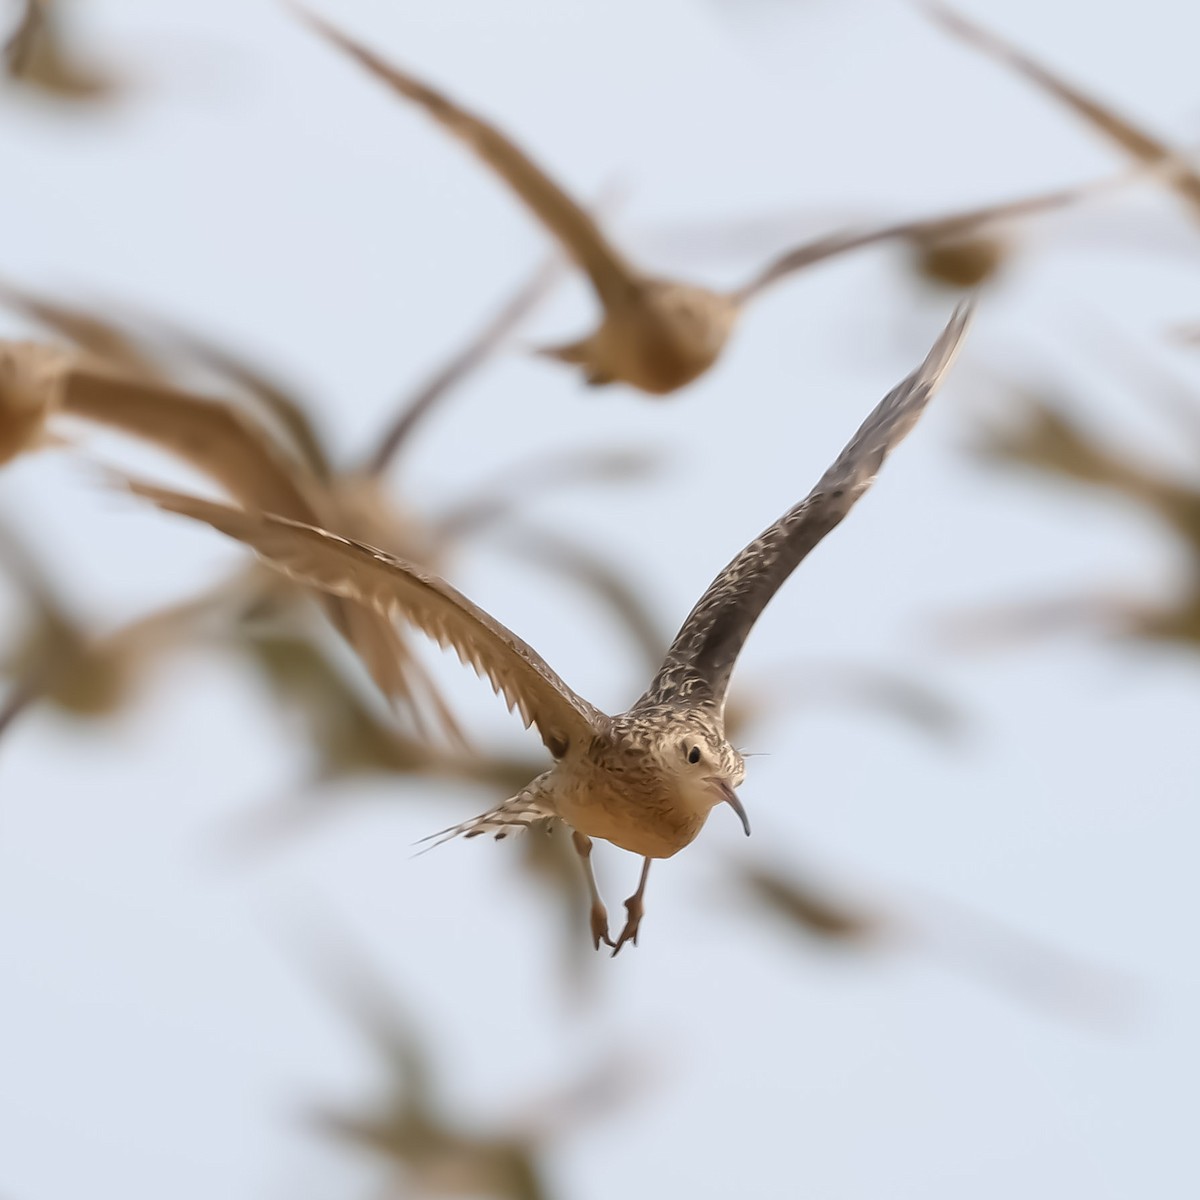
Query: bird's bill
x=730, y=797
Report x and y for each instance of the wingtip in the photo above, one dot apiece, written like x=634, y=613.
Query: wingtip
x=945, y=350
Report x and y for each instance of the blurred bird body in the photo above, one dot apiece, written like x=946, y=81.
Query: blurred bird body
x=37, y=55
x=645, y=780
x=664, y=336
x=31, y=376
x=656, y=335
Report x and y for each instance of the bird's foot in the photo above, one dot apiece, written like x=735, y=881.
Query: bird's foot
x=630, y=933
x=600, y=926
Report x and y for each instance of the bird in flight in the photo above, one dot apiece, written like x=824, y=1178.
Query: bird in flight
x=656, y=335
x=645, y=780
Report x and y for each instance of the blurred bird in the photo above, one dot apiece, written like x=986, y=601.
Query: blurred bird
x=31, y=376
x=38, y=55
x=347, y=740
x=273, y=460
x=57, y=658
x=1050, y=441
x=647, y=779
x=1144, y=147
x=957, y=938
x=958, y=250
x=431, y=1152
x=656, y=334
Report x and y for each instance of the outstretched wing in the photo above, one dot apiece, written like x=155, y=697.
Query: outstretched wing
x=214, y=437
x=393, y=587
x=611, y=276
x=700, y=660
x=1135, y=141
x=926, y=230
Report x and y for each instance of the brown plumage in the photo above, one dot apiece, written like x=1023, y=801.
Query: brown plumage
x=656, y=335
x=645, y=780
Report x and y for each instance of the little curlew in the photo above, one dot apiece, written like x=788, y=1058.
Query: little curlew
x=656, y=335
x=645, y=780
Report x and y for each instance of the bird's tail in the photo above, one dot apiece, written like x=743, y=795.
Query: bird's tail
x=526, y=808
x=568, y=352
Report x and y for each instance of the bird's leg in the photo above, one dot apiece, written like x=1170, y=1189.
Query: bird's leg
x=634, y=907
x=583, y=847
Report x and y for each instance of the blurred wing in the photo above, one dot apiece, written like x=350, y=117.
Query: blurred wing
x=467, y=360
x=390, y=586
x=969, y=222
x=243, y=458
x=97, y=335
x=19, y=45
x=1135, y=141
x=611, y=276
x=700, y=660
x=228, y=446
x=275, y=399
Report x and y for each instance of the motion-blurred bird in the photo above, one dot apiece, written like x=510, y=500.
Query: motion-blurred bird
x=958, y=938
x=58, y=659
x=31, y=377
x=410, y=1129
x=656, y=335
x=1142, y=146
x=272, y=459
x=347, y=739
x=957, y=250
x=1049, y=440
x=647, y=779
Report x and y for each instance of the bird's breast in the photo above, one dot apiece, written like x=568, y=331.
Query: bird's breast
x=641, y=816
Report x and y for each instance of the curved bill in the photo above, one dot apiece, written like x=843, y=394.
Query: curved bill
x=730, y=797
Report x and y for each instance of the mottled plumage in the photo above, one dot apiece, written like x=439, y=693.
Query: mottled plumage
x=647, y=779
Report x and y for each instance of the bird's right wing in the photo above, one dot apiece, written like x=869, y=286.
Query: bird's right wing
x=392, y=587
x=613, y=278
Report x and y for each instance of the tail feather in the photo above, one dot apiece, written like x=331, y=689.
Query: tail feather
x=513, y=816
x=569, y=352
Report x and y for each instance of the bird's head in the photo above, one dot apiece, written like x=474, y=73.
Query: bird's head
x=704, y=765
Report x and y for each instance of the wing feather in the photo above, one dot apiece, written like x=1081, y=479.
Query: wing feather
x=392, y=587
x=700, y=661
x=926, y=230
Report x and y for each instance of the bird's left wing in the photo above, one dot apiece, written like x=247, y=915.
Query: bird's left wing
x=700, y=660
x=392, y=588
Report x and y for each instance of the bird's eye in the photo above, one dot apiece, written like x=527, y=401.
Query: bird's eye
x=694, y=754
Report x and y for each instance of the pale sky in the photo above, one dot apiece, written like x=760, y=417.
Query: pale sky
x=161, y=1036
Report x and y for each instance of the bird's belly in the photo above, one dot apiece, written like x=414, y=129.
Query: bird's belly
x=644, y=351
x=650, y=832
